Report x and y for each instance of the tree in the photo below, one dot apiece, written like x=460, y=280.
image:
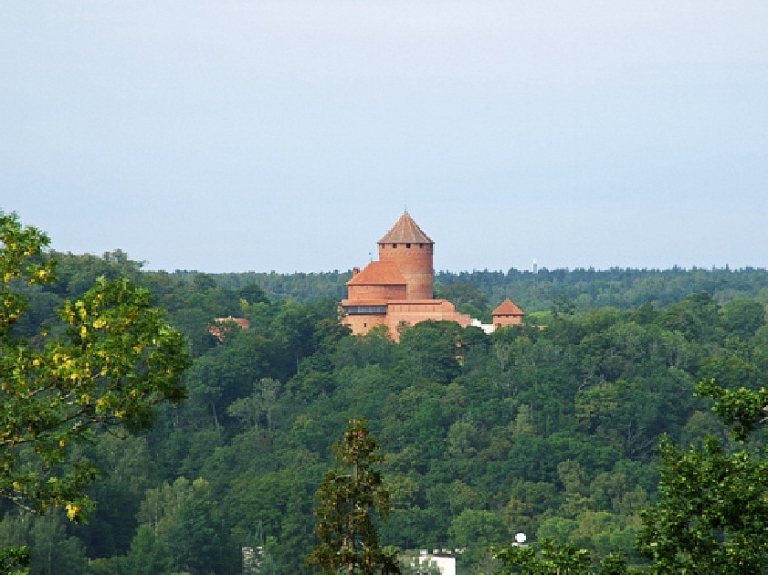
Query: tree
x=259, y=406
x=431, y=347
x=743, y=317
x=112, y=361
x=349, y=498
x=550, y=558
x=148, y=554
x=476, y=529
x=52, y=551
x=197, y=538
x=711, y=514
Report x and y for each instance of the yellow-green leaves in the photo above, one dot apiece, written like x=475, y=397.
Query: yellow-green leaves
x=117, y=359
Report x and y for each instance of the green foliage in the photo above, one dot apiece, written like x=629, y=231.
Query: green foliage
x=127, y=470
x=546, y=559
x=348, y=498
x=148, y=555
x=741, y=409
x=196, y=538
x=13, y=559
x=622, y=288
x=50, y=549
x=551, y=558
x=743, y=317
x=115, y=359
x=431, y=347
x=713, y=504
x=547, y=431
x=476, y=530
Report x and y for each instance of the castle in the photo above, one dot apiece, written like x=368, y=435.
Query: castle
x=398, y=288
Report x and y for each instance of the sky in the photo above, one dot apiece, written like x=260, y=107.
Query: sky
x=230, y=136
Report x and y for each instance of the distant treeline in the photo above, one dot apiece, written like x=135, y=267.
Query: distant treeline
x=623, y=288
x=477, y=293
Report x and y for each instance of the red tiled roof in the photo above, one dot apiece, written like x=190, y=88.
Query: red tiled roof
x=379, y=273
x=406, y=231
x=242, y=322
x=219, y=328
x=507, y=308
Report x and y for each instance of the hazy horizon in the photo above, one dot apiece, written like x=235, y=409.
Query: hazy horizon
x=231, y=136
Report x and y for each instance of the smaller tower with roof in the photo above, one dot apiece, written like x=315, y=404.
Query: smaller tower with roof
x=507, y=314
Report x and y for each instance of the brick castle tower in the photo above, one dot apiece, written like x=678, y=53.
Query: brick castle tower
x=398, y=289
x=413, y=251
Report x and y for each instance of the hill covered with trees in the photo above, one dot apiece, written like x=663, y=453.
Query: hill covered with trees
x=552, y=432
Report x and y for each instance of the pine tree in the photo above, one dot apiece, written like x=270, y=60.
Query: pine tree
x=348, y=500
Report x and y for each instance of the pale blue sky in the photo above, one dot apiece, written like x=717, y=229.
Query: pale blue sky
x=287, y=135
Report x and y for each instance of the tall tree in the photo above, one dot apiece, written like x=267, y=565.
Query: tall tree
x=711, y=514
x=349, y=499
x=115, y=359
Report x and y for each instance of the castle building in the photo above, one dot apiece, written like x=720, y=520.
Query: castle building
x=507, y=314
x=398, y=288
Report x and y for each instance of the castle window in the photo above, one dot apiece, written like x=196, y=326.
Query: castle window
x=365, y=309
x=394, y=245
x=408, y=246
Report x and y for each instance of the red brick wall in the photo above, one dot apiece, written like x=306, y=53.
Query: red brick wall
x=376, y=292
x=416, y=264
x=360, y=324
x=503, y=320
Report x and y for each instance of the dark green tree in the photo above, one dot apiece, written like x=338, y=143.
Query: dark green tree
x=713, y=505
x=52, y=551
x=148, y=555
x=197, y=539
x=743, y=317
x=349, y=498
x=431, y=348
x=551, y=558
x=12, y=558
x=476, y=530
x=547, y=558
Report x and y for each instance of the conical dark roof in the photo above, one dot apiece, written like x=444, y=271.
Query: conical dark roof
x=406, y=231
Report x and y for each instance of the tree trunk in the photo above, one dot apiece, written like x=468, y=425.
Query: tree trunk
x=215, y=417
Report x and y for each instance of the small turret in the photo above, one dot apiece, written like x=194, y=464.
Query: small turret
x=507, y=314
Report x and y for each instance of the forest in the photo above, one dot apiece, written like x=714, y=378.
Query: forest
x=551, y=428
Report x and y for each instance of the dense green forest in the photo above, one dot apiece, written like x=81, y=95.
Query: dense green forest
x=551, y=431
